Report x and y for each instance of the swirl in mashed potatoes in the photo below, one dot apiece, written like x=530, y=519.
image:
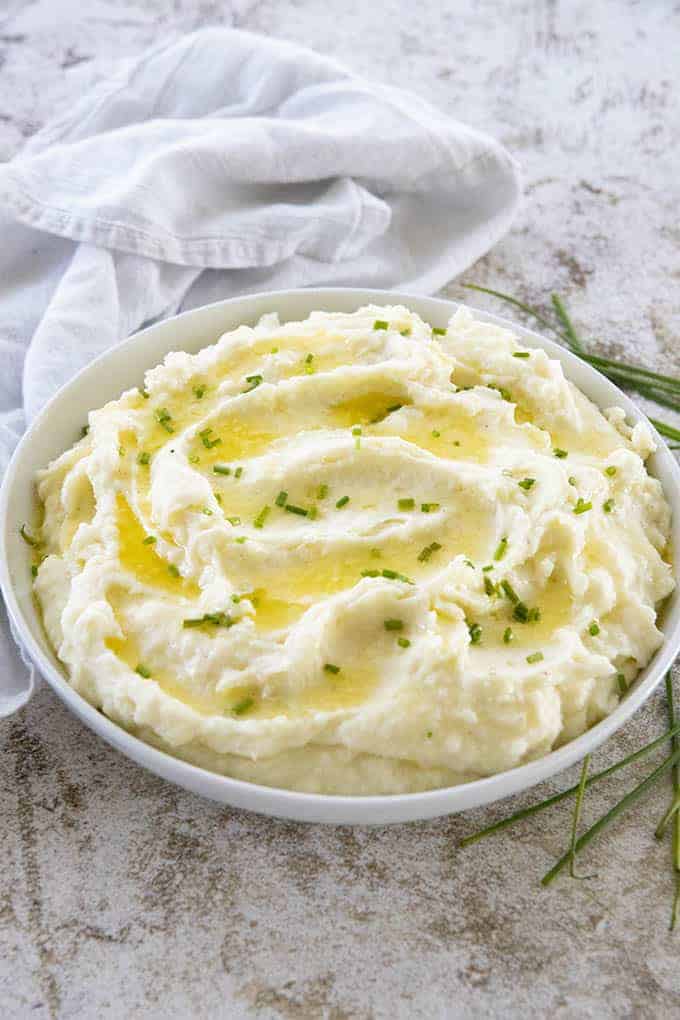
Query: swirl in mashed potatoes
x=355, y=554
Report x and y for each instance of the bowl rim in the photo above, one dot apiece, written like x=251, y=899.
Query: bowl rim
x=337, y=808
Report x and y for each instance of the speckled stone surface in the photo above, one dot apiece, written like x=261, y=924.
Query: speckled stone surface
x=121, y=896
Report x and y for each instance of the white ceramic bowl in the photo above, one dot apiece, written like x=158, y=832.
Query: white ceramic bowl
x=59, y=425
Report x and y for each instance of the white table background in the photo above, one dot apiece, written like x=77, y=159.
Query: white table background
x=121, y=896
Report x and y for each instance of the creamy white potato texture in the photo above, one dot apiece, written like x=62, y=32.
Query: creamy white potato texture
x=355, y=554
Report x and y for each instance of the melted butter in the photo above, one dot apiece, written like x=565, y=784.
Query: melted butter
x=286, y=590
x=556, y=604
x=203, y=702
x=347, y=689
x=363, y=409
x=142, y=560
x=447, y=433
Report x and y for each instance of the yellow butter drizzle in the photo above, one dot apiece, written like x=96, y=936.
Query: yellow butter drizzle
x=347, y=689
x=142, y=560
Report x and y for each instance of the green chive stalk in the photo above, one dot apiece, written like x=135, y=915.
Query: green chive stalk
x=622, y=805
x=676, y=793
x=663, y=389
x=519, y=816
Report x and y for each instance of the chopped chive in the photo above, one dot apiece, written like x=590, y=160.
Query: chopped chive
x=322, y=492
x=429, y=734
x=253, y=381
x=406, y=504
x=274, y=350
x=403, y=642
x=313, y=513
x=394, y=575
x=207, y=511
x=571, y=480
x=309, y=358
x=145, y=393
x=438, y=331
x=510, y=591
x=381, y=324
x=144, y=458
x=561, y=454
x=608, y=506
x=329, y=667
x=221, y=469
x=611, y=471
x=489, y=586
x=199, y=392
x=475, y=633
x=521, y=612
x=505, y=394
x=164, y=419
x=28, y=538
x=594, y=629
x=207, y=441
x=469, y=563
x=143, y=671
x=501, y=549
x=299, y=510
x=194, y=459
x=394, y=624
x=343, y=501
x=429, y=508
x=535, y=657
x=488, y=567
x=370, y=573
x=241, y=539
x=238, y=472
x=84, y=431
x=582, y=506
x=234, y=521
x=521, y=354
x=435, y=433
x=621, y=681
x=507, y=635
x=534, y=615
x=261, y=517
x=527, y=483
x=281, y=498
x=172, y=569
x=149, y=540
x=218, y=497
x=426, y=553
x=235, y=598
x=406, y=331
x=34, y=570
x=243, y=706
x=216, y=619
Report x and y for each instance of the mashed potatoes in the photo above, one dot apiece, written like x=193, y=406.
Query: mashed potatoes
x=355, y=554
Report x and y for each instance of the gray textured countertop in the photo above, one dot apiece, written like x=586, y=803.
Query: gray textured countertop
x=121, y=896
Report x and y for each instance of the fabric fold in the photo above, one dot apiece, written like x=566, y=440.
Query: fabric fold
x=219, y=164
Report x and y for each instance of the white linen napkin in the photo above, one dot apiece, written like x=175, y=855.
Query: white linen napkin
x=221, y=164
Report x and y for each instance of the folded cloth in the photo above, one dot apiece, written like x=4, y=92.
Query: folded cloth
x=221, y=164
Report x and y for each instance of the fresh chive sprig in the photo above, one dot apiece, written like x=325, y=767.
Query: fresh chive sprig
x=663, y=389
x=527, y=812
